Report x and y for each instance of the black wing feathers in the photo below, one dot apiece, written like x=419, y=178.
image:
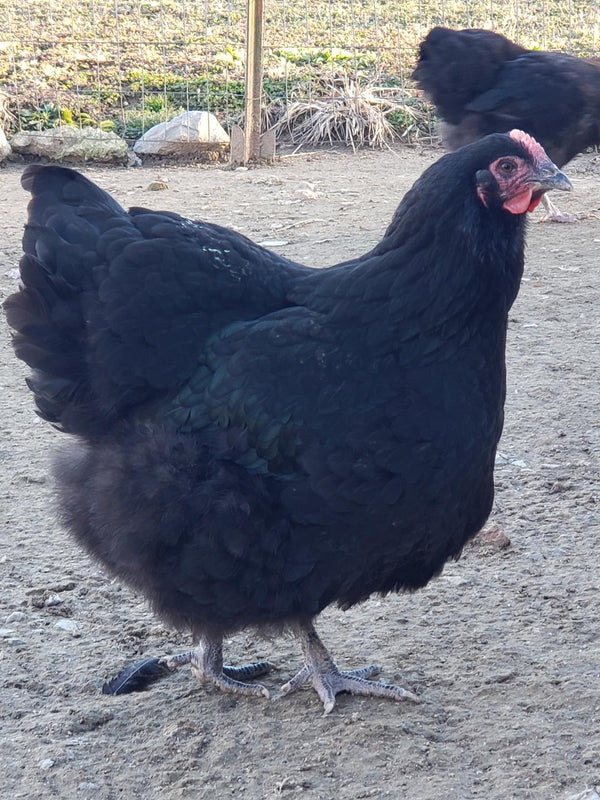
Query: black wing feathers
x=554, y=97
x=120, y=304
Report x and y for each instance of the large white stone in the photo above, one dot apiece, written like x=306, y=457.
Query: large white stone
x=68, y=143
x=189, y=133
x=4, y=146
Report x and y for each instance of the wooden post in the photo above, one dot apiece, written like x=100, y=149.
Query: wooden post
x=254, y=74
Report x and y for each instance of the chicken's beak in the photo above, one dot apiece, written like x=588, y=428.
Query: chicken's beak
x=550, y=177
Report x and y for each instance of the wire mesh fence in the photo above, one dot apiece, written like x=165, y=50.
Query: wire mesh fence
x=128, y=64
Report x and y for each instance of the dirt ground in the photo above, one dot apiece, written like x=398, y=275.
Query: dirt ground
x=503, y=648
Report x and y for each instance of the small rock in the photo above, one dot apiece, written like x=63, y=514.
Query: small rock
x=63, y=585
x=455, y=580
x=47, y=763
x=68, y=625
x=491, y=537
x=13, y=274
x=16, y=616
x=308, y=191
x=273, y=243
x=53, y=600
x=6, y=633
x=592, y=793
x=157, y=186
x=518, y=462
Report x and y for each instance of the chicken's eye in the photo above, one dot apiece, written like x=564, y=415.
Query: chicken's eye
x=507, y=167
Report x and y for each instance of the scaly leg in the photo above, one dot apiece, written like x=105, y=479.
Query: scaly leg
x=322, y=673
x=206, y=661
x=554, y=214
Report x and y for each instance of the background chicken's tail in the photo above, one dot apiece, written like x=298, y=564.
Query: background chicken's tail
x=48, y=314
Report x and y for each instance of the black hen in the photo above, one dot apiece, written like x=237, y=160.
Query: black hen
x=254, y=439
x=481, y=83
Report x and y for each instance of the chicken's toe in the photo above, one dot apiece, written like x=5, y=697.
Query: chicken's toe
x=206, y=662
x=321, y=672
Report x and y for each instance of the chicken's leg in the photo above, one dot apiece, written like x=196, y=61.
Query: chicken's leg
x=206, y=661
x=321, y=671
x=554, y=214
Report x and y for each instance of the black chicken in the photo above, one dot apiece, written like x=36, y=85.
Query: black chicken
x=255, y=439
x=481, y=83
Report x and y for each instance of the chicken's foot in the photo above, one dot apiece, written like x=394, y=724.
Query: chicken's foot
x=206, y=662
x=321, y=672
x=554, y=214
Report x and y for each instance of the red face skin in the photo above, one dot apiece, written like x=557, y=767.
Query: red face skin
x=518, y=180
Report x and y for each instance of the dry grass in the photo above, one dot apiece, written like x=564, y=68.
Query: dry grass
x=7, y=118
x=351, y=114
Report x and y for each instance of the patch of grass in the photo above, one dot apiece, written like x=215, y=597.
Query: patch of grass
x=50, y=115
x=319, y=56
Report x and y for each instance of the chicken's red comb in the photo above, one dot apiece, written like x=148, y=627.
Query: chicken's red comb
x=534, y=147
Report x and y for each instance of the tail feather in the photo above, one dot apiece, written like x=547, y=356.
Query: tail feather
x=116, y=307
x=46, y=322
x=137, y=677
x=47, y=183
x=56, y=273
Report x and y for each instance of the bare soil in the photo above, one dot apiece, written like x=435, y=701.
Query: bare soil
x=503, y=648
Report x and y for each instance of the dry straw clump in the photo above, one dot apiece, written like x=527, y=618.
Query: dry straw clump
x=6, y=117
x=352, y=114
